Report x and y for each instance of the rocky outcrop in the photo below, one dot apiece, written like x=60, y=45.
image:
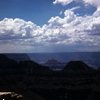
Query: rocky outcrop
x=10, y=96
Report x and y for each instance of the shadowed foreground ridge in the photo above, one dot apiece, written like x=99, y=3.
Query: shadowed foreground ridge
x=76, y=81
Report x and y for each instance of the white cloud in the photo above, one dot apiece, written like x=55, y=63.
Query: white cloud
x=74, y=8
x=69, y=16
x=94, y=27
x=91, y=2
x=79, y=29
x=60, y=12
x=56, y=21
x=17, y=28
x=97, y=13
x=63, y=2
x=71, y=30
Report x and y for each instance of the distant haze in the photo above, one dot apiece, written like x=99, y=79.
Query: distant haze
x=92, y=59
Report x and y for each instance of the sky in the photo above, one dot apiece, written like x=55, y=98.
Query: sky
x=36, y=26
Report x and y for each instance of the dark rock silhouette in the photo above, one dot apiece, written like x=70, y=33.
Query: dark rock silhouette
x=7, y=66
x=76, y=81
x=32, y=68
x=4, y=58
x=77, y=65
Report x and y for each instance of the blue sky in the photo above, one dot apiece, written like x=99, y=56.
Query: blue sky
x=37, y=11
x=49, y=26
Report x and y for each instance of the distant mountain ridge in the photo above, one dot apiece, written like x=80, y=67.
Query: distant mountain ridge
x=17, y=56
x=92, y=59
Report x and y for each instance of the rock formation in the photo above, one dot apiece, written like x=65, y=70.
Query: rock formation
x=10, y=96
x=54, y=64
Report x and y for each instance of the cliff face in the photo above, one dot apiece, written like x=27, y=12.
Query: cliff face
x=18, y=57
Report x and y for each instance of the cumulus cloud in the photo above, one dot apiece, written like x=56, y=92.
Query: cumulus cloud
x=70, y=31
x=78, y=29
x=26, y=34
x=56, y=21
x=66, y=2
x=94, y=27
x=69, y=17
x=17, y=28
x=92, y=2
